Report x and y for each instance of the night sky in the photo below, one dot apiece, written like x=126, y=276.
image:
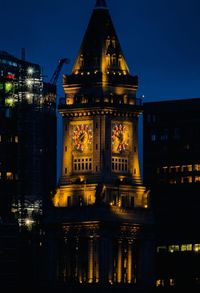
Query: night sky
x=160, y=39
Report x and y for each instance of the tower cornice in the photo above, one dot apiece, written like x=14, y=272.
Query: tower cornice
x=121, y=111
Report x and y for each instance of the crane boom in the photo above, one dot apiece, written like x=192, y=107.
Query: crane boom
x=56, y=73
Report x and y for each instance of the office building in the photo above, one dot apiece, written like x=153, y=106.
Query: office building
x=27, y=164
x=172, y=173
x=27, y=138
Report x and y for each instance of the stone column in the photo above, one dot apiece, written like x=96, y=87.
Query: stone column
x=110, y=260
x=96, y=257
x=119, y=262
x=130, y=264
x=90, y=260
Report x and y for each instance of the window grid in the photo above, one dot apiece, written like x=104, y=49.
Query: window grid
x=119, y=164
x=9, y=176
x=83, y=164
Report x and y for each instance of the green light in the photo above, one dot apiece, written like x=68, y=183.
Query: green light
x=8, y=87
x=9, y=102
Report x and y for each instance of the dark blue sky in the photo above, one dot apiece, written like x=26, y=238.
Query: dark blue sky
x=160, y=39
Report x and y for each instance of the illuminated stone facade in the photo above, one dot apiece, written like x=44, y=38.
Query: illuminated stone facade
x=101, y=215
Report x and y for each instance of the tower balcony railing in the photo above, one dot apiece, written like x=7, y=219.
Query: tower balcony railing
x=84, y=102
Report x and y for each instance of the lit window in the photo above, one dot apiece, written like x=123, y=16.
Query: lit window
x=0, y=175
x=161, y=248
x=186, y=179
x=9, y=101
x=186, y=247
x=197, y=179
x=177, y=168
x=0, y=138
x=171, y=282
x=29, y=82
x=30, y=70
x=16, y=139
x=9, y=175
x=196, y=247
x=119, y=164
x=164, y=169
x=186, y=168
x=173, y=248
x=83, y=164
x=173, y=181
x=172, y=169
x=8, y=87
x=197, y=167
x=160, y=283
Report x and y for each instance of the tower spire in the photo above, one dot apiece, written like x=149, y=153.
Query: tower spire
x=100, y=4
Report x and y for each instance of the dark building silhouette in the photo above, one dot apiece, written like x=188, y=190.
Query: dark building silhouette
x=27, y=137
x=99, y=229
x=27, y=160
x=172, y=172
x=9, y=236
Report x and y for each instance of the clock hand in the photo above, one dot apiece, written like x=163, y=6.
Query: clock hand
x=81, y=137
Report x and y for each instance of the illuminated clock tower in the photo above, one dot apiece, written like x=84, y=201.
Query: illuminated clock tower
x=101, y=208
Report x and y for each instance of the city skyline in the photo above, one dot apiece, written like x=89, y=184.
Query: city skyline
x=159, y=40
x=99, y=179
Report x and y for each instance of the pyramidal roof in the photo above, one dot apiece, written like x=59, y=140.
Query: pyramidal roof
x=101, y=4
x=100, y=49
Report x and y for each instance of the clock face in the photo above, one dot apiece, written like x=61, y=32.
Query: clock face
x=82, y=137
x=120, y=137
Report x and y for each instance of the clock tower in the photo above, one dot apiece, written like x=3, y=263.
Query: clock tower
x=101, y=208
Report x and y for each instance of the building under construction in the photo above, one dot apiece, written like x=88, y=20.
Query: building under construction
x=27, y=163
x=27, y=138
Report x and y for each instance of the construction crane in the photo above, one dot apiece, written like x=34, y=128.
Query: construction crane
x=50, y=88
x=56, y=73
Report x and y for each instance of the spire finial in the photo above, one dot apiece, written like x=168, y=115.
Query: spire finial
x=100, y=4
